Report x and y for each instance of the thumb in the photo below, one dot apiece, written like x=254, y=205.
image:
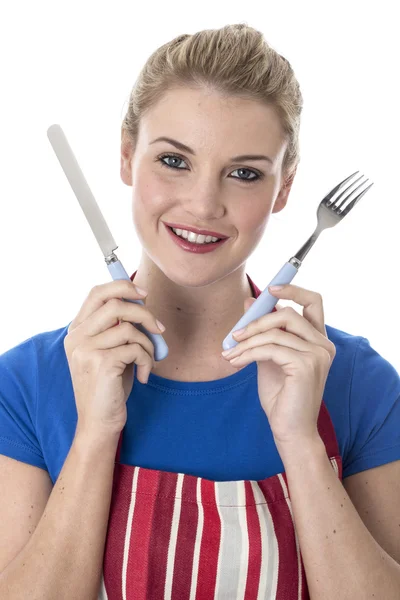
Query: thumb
x=247, y=303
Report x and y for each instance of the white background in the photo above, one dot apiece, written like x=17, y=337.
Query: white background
x=74, y=63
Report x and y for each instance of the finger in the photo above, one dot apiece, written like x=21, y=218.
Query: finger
x=288, y=319
x=125, y=334
x=312, y=303
x=101, y=294
x=280, y=355
x=273, y=336
x=134, y=353
x=115, y=310
x=283, y=356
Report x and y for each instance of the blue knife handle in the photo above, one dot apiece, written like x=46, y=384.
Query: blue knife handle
x=117, y=271
x=263, y=305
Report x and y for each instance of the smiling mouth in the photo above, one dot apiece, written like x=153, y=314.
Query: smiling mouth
x=194, y=247
x=196, y=230
x=191, y=242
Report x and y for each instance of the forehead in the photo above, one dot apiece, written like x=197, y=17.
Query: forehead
x=205, y=119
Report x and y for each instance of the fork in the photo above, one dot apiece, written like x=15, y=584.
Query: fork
x=329, y=214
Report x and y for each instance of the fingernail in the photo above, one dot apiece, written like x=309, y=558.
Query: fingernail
x=140, y=291
x=239, y=331
x=160, y=325
x=276, y=287
x=226, y=352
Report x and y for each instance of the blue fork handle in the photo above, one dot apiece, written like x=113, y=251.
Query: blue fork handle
x=263, y=305
x=117, y=271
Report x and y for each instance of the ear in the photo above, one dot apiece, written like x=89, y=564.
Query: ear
x=283, y=195
x=126, y=159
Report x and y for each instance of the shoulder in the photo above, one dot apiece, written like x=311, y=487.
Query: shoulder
x=362, y=394
x=358, y=364
x=29, y=369
x=33, y=392
x=34, y=354
x=32, y=373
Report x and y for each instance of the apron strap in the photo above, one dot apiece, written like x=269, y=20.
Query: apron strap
x=118, y=454
x=327, y=431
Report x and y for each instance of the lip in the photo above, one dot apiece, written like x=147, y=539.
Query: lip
x=194, y=248
x=197, y=230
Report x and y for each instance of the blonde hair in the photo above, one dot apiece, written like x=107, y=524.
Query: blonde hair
x=234, y=60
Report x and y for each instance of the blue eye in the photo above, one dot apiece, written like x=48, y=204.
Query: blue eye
x=257, y=176
x=172, y=156
x=175, y=160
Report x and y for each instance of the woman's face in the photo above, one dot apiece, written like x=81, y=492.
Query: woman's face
x=204, y=185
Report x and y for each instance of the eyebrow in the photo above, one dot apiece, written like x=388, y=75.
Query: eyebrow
x=185, y=148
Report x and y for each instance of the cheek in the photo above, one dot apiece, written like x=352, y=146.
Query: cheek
x=253, y=207
x=149, y=193
x=253, y=221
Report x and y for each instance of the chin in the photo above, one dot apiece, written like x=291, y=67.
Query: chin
x=188, y=277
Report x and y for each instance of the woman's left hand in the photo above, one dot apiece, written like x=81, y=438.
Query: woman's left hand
x=292, y=364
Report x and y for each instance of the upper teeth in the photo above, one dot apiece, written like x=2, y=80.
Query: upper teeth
x=194, y=237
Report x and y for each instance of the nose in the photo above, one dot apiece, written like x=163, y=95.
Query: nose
x=205, y=199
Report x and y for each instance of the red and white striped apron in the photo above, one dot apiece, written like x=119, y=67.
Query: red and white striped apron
x=181, y=537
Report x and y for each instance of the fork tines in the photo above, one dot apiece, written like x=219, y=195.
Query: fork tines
x=337, y=207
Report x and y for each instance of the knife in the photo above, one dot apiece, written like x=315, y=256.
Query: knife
x=97, y=223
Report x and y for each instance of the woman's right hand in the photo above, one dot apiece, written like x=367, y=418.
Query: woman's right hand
x=101, y=356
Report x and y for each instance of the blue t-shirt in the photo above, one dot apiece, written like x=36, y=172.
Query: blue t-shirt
x=211, y=429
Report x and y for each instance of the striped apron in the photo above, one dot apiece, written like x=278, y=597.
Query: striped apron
x=181, y=537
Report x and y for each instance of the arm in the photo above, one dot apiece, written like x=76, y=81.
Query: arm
x=23, y=486
x=376, y=495
x=341, y=557
x=68, y=543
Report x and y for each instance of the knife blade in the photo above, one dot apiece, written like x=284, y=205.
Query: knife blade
x=97, y=223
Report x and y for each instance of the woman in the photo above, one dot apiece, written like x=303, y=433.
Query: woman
x=226, y=482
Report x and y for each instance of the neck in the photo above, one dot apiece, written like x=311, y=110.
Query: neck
x=197, y=318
